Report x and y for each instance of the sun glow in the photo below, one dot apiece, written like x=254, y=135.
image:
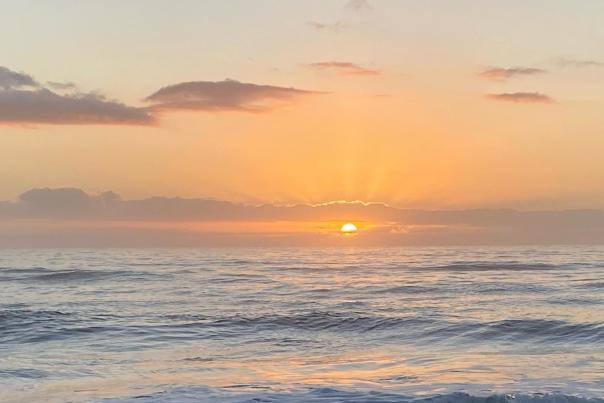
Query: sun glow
x=348, y=228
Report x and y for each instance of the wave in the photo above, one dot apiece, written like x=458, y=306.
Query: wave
x=24, y=325
x=482, y=288
x=320, y=320
x=494, y=266
x=597, y=285
x=411, y=327
x=42, y=274
x=415, y=329
x=27, y=373
x=331, y=395
x=33, y=326
x=404, y=289
x=518, y=330
x=74, y=275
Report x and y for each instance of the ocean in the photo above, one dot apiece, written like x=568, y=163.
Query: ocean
x=298, y=324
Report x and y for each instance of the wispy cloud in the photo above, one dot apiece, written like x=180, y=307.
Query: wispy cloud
x=358, y=5
x=25, y=101
x=502, y=74
x=522, y=97
x=227, y=95
x=562, y=62
x=333, y=27
x=345, y=68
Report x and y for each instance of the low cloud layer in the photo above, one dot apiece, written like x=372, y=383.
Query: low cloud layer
x=502, y=74
x=227, y=95
x=71, y=217
x=522, y=97
x=344, y=68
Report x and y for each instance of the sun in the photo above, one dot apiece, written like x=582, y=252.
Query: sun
x=348, y=228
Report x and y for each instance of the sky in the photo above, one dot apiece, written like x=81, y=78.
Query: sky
x=416, y=105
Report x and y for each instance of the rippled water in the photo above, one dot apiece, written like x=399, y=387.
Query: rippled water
x=328, y=325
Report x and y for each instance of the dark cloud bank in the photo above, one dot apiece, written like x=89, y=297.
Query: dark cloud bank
x=72, y=218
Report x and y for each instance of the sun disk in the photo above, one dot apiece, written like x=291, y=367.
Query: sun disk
x=348, y=228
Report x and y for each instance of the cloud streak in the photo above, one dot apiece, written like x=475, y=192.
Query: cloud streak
x=358, y=5
x=344, y=68
x=502, y=74
x=522, y=97
x=227, y=95
x=562, y=62
x=25, y=101
x=333, y=27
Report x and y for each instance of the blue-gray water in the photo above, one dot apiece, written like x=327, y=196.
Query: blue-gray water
x=328, y=325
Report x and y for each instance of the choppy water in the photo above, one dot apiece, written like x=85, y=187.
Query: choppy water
x=328, y=325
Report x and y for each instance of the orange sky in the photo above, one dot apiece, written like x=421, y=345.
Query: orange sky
x=402, y=102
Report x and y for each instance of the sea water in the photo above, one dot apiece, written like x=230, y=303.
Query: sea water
x=320, y=325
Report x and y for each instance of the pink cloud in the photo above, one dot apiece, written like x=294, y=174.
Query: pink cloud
x=522, y=97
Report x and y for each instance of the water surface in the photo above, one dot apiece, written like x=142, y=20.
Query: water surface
x=329, y=325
